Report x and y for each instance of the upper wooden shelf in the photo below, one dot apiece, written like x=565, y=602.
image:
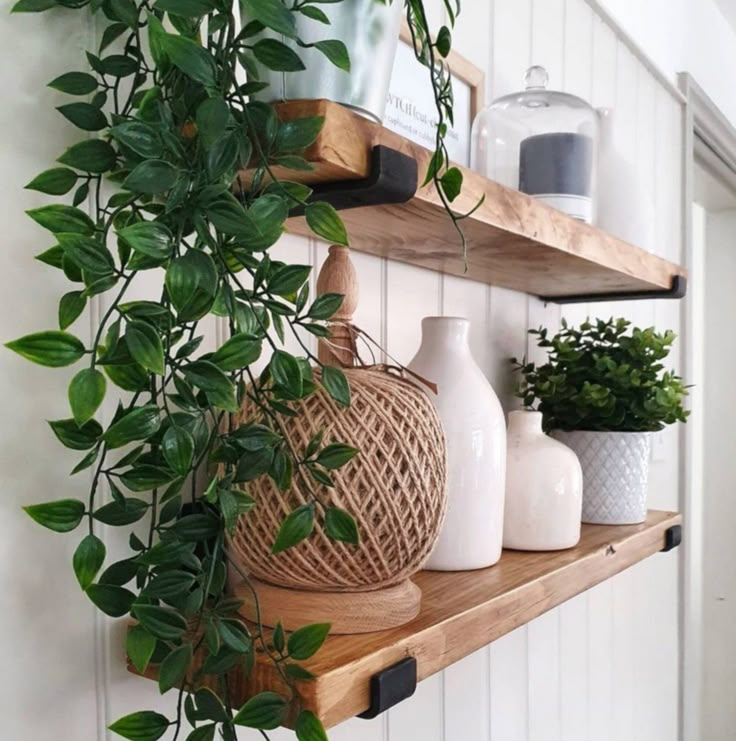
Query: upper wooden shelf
x=462, y=612
x=513, y=240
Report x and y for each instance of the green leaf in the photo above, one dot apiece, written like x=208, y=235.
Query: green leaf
x=70, y=307
x=336, y=51
x=87, y=253
x=452, y=183
x=138, y=424
x=212, y=119
x=325, y=306
x=325, y=222
x=111, y=34
x=33, y=6
x=145, y=477
x=288, y=279
x=191, y=282
x=336, y=455
x=86, y=392
x=190, y=58
x=210, y=706
x=151, y=238
x=145, y=346
x=151, y=177
x=125, y=11
x=309, y=727
x=55, y=182
x=272, y=14
x=222, y=157
x=237, y=353
x=444, y=41
x=75, y=83
x=286, y=372
x=112, y=600
x=315, y=14
x=72, y=436
x=216, y=385
x=163, y=622
x=340, y=525
x=336, y=385
x=119, y=65
x=84, y=116
x=139, y=645
x=295, y=528
x=118, y=515
x=204, y=733
x=140, y=137
x=306, y=641
x=58, y=218
x=265, y=711
x=53, y=349
x=88, y=559
x=186, y=8
x=174, y=667
x=169, y=584
x=61, y=516
x=298, y=134
x=192, y=528
x=142, y=726
x=92, y=155
x=277, y=56
x=177, y=447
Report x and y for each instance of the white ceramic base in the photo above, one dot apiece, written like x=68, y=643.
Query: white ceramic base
x=544, y=488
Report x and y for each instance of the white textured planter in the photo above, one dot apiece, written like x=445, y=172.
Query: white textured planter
x=544, y=488
x=475, y=429
x=615, y=474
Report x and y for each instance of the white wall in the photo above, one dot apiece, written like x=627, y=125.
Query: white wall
x=602, y=667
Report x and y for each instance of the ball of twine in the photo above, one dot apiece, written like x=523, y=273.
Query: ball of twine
x=395, y=489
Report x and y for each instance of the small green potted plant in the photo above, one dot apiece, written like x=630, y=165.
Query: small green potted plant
x=603, y=391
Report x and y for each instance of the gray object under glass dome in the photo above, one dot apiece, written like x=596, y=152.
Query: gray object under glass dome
x=370, y=31
x=542, y=142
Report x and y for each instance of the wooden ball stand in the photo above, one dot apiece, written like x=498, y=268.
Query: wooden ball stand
x=347, y=612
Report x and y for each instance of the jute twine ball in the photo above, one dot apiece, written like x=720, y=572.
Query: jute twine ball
x=395, y=489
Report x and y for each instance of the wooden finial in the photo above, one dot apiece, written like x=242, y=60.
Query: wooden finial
x=338, y=275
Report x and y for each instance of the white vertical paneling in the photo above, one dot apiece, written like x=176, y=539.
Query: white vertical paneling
x=467, y=710
x=548, y=39
x=576, y=72
x=421, y=716
x=509, y=688
x=511, y=44
x=544, y=677
x=574, y=683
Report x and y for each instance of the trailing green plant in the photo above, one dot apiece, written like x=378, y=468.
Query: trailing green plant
x=604, y=376
x=168, y=125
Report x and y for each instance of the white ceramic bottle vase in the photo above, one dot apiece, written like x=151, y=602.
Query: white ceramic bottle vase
x=471, y=536
x=544, y=488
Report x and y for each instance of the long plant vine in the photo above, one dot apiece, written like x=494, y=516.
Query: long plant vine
x=155, y=198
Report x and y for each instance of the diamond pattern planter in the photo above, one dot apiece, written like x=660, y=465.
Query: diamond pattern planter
x=615, y=474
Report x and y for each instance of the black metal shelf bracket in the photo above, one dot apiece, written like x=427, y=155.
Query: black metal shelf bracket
x=391, y=686
x=393, y=179
x=678, y=289
x=672, y=538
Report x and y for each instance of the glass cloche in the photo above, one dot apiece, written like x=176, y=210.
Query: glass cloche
x=542, y=142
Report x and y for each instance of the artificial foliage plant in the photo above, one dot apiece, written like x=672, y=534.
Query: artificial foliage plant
x=167, y=124
x=604, y=376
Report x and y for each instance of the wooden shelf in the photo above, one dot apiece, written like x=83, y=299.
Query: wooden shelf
x=462, y=612
x=513, y=240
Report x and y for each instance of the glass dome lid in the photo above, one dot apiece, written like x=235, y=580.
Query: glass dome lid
x=542, y=142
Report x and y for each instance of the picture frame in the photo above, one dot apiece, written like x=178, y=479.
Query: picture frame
x=410, y=107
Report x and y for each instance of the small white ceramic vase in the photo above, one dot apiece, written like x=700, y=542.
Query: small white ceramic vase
x=544, y=488
x=472, y=534
x=615, y=474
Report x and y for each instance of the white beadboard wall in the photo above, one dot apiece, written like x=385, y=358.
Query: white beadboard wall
x=602, y=667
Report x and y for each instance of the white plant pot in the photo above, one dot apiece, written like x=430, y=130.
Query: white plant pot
x=615, y=474
x=472, y=534
x=544, y=488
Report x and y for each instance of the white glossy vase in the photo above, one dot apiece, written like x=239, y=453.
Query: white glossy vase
x=615, y=474
x=472, y=534
x=544, y=488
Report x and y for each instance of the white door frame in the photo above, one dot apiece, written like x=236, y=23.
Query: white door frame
x=710, y=142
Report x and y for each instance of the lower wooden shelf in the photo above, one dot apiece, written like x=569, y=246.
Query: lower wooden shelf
x=462, y=612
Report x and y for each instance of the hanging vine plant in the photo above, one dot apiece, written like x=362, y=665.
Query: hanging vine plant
x=168, y=124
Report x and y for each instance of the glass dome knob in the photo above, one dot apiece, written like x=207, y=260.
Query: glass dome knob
x=536, y=78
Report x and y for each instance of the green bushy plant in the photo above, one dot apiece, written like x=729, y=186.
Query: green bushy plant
x=604, y=376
